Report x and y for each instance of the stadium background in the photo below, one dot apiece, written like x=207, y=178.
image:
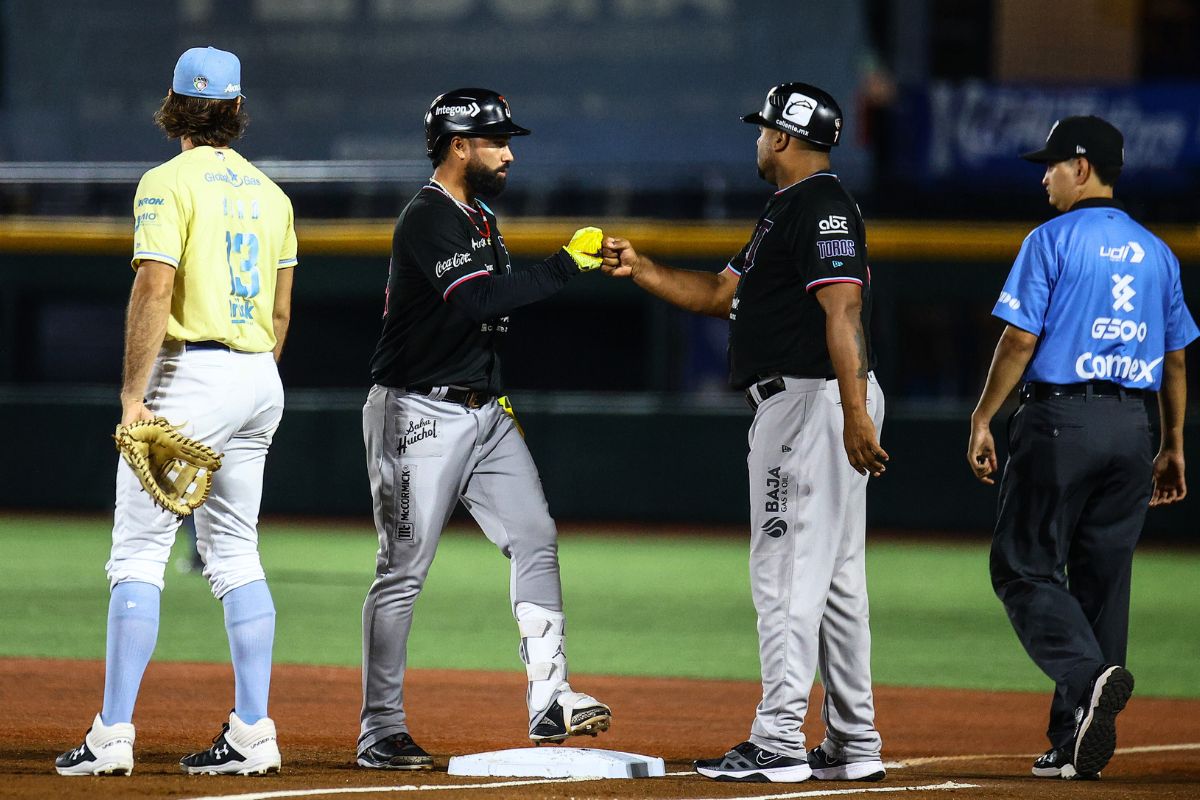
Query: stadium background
x=634, y=106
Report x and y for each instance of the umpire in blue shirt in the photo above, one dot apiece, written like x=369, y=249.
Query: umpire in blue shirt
x=1096, y=322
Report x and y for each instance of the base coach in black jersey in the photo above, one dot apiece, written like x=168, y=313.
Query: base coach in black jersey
x=438, y=428
x=798, y=299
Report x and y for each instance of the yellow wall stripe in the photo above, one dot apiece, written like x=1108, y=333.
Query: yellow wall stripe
x=889, y=240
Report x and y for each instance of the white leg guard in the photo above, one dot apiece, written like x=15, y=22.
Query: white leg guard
x=543, y=649
x=556, y=712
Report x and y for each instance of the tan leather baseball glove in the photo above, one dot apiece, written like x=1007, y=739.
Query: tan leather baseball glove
x=175, y=471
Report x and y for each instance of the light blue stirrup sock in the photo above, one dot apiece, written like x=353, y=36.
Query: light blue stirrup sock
x=250, y=623
x=132, y=632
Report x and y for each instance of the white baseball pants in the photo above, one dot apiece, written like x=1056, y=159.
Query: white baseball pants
x=423, y=456
x=808, y=570
x=232, y=402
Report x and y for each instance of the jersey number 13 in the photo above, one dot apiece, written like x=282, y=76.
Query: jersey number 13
x=241, y=252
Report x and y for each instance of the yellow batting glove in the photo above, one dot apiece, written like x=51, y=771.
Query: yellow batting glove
x=584, y=248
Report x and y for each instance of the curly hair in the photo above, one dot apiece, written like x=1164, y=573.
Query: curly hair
x=204, y=122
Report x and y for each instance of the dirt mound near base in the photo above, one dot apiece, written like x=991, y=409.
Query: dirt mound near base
x=47, y=705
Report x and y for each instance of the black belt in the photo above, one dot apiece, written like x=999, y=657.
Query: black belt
x=771, y=386
x=471, y=398
x=768, y=387
x=1042, y=391
x=208, y=344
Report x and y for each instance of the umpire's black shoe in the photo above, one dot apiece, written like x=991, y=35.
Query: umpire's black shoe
x=1096, y=727
x=398, y=751
x=1056, y=763
x=827, y=768
x=747, y=762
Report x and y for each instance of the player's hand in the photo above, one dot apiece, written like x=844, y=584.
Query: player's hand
x=584, y=248
x=620, y=260
x=134, y=410
x=981, y=452
x=1169, y=484
x=862, y=448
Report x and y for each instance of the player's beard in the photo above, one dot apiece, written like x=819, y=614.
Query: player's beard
x=485, y=181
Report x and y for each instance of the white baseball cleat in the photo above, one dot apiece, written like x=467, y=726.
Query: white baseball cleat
x=239, y=749
x=106, y=750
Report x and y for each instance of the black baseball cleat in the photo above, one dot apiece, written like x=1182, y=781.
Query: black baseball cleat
x=747, y=762
x=239, y=749
x=398, y=751
x=1096, y=727
x=1056, y=763
x=570, y=714
x=106, y=750
x=827, y=768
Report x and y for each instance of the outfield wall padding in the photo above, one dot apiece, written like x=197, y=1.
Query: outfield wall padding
x=636, y=458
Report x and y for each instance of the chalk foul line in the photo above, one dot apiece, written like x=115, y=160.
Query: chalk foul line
x=933, y=787
x=917, y=762
x=909, y=762
x=440, y=787
x=948, y=786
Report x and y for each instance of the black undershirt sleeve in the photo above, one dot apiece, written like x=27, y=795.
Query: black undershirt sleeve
x=490, y=296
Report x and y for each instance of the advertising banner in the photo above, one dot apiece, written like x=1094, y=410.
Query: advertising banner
x=975, y=131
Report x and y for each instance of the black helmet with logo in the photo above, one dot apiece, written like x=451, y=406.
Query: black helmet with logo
x=801, y=110
x=468, y=112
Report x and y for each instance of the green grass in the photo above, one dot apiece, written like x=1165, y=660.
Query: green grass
x=637, y=605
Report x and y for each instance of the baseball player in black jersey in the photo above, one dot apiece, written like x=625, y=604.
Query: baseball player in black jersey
x=438, y=429
x=798, y=297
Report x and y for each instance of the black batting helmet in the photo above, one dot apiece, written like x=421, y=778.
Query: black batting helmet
x=468, y=112
x=801, y=110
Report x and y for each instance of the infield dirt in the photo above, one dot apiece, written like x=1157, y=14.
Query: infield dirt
x=47, y=705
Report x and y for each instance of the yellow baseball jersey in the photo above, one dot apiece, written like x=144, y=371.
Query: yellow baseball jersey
x=226, y=228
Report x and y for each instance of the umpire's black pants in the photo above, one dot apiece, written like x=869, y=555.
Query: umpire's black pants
x=1072, y=502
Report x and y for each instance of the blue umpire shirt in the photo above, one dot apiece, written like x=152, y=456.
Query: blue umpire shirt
x=1103, y=296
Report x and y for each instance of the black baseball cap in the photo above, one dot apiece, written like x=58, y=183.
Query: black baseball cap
x=1087, y=137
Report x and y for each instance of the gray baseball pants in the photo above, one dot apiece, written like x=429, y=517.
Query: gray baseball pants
x=808, y=571
x=423, y=456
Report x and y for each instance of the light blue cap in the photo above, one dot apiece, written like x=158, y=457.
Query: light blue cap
x=209, y=73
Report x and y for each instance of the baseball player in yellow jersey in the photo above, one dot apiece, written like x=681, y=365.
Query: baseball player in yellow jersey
x=213, y=250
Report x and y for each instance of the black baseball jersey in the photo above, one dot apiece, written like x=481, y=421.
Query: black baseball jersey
x=450, y=287
x=810, y=235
